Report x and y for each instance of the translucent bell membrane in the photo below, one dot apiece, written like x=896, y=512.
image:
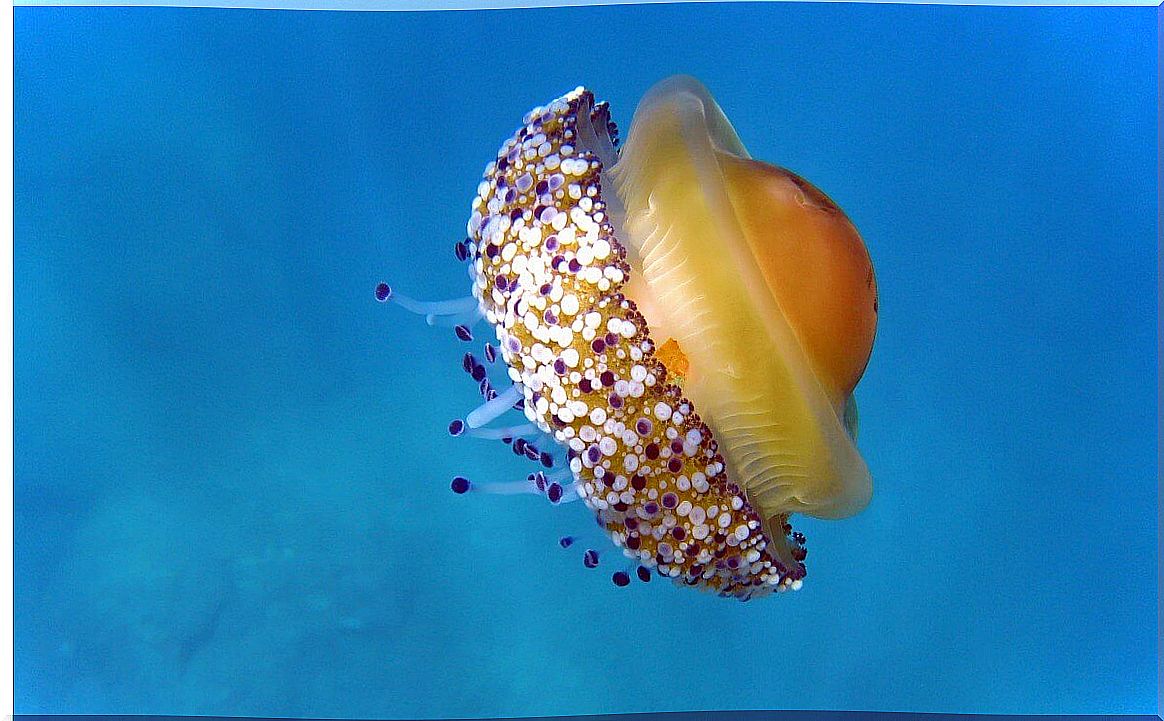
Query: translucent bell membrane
x=683, y=180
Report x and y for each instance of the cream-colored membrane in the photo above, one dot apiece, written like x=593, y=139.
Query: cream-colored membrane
x=779, y=417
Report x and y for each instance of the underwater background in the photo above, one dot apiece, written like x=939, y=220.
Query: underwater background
x=231, y=464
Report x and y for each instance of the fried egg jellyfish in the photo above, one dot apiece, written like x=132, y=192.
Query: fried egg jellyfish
x=689, y=323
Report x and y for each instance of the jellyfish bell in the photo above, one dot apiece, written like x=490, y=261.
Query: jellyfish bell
x=686, y=323
x=766, y=286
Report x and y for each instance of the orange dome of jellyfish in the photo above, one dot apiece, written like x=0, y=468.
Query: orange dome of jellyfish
x=688, y=322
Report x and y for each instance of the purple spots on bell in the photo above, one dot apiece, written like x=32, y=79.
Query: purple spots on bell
x=597, y=345
x=733, y=562
x=463, y=332
x=457, y=427
x=676, y=446
x=651, y=509
x=548, y=214
x=611, y=339
x=584, y=385
x=460, y=485
x=545, y=289
x=513, y=344
x=674, y=465
x=501, y=282
x=593, y=454
x=678, y=533
x=554, y=492
x=551, y=244
x=542, y=187
x=525, y=182
x=556, y=181
x=590, y=558
x=560, y=367
x=607, y=378
x=614, y=400
x=643, y=573
x=670, y=500
x=383, y=292
x=566, y=541
x=651, y=451
x=574, y=265
x=620, y=579
x=491, y=251
x=510, y=195
x=549, y=318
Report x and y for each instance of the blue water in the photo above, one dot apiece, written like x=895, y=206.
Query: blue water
x=231, y=466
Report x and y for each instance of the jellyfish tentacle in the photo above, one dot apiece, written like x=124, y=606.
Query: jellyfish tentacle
x=494, y=408
x=508, y=488
x=467, y=318
x=496, y=434
x=453, y=306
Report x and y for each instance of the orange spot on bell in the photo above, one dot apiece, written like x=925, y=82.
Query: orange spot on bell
x=673, y=358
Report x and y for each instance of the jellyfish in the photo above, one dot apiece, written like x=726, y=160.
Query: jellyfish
x=689, y=324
